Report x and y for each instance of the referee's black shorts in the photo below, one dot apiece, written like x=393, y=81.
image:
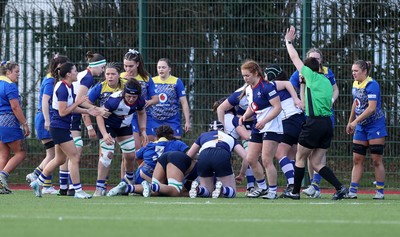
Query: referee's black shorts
x=317, y=132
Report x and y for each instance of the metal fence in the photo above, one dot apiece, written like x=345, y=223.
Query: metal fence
x=207, y=41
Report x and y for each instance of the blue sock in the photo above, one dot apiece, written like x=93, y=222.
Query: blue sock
x=316, y=181
x=101, y=184
x=228, y=192
x=5, y=174
x=203, y=192
x=380, y=186
x=288, y=169
x=63, y=176
x=353, y=187
x=155, y=187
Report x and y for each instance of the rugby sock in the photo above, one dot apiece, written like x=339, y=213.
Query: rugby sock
x=287, y=169
x=272, y=188
x=41, y=179
x=298, y=178
x=329, y=176
x=316, y=181
x=262, y=184
x=5, y=174
x=77, y=187
x=47, y=182
x=228, y=192
x=37, y=171
x=101, y=184
x=250, y=178
x=155, y=187
x=130, y=188
x=380, y=187
x=353, y=187
x=130, y=176
x=63, y=176
x=203, y=192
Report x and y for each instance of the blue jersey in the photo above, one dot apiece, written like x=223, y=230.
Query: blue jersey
x=169, y=92
x=240, y=104
x=121, y=113
x=46, y=88
x=102, y=91
x=150, y=153
x=368, y=90
x=8, y=91
x=216, y=139
x=259, y=97
x=294, y=79
x=62, y=93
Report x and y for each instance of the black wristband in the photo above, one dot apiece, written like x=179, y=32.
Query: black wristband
x=288, y=41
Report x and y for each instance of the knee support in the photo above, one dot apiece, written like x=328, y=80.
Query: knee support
x=359, y=149
x=175, y=183
x=49, y=145
x=376, y=149
x=106, y=153
x=128, y=145
x=78, y=142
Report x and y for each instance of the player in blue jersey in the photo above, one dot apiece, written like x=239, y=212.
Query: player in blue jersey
x=135, y=68
x=171, y=92
x=118, y=128
x=367, y=123
x=312, y=190
x=215, y=150
x=101, y=93
x=229, y=111
x=174, y=171
x=316, y=134
x=149, y=154
x=85, y=80
x=11, y=119
x=64, y=103
x=42, y=121
x=292, y=120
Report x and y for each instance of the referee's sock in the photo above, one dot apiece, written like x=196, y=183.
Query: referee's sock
x=298, y=178
x=329, y=176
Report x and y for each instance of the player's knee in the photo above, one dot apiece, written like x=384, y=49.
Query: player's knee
x=377, y=149
x=106, y=153
x=127, y=146
x=359, y=149
x=175, y=184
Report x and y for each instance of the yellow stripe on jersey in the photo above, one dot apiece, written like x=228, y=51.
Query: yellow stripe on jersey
x=138, y=77
x=169, y=80
x=363, y=84
x=105, y=88
x=325, y=70
x=6, y=79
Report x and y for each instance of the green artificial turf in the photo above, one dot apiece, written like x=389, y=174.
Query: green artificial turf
x=23, y=214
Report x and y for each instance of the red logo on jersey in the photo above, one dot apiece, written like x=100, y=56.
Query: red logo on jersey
x=162, y=97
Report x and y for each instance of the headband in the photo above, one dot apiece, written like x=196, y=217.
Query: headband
x=98, y=63
x=131, y=91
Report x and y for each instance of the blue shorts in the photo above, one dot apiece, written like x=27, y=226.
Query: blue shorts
x=60, y=135
x=135, y=124
x=8, y=135
x=10, y=129
x=174, y=122
x=146, y=169
x=117, y=132
x=370, y=131
x=177, y=158
x=265, y=136
x=292, y=128
x=76, y=123
x=214, y=161
x=41, y=132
